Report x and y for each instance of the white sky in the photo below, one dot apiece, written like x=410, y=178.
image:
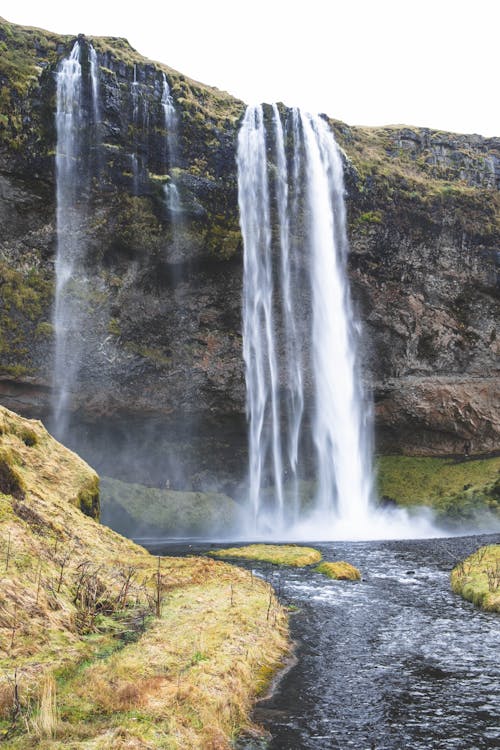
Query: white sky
x=431, y=63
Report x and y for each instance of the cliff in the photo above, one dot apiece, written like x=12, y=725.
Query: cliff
x=161, y=346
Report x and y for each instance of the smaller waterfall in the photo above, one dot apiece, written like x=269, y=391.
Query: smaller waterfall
x=69, y=127
x=170, y=116
x=172, y=198
x=298, y=326
x=75, y=141
x=134, y=160
x=94, y=80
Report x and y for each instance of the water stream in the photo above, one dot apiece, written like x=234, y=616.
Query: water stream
x=393, y=662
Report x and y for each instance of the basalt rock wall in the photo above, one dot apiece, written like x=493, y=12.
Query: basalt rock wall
x=162, y=342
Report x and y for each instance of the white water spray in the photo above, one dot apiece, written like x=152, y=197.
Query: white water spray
x=310, y=206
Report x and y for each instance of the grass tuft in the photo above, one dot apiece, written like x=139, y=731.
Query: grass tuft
x=340, y=570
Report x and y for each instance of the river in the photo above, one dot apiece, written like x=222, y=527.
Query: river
x=393, y=662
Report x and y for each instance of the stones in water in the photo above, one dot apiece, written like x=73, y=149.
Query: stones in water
x=298, y=328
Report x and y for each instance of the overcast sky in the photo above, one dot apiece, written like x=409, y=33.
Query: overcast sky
x=432, y=63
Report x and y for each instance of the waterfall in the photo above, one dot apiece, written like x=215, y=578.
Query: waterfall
x=339, y=430
x=172, y=198
x=94, y=82
x=299, y=328
x=258, y=325
x=293, y=366
x=72, y=185
x=134, y=161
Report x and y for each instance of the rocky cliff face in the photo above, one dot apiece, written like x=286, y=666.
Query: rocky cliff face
x=162, y=341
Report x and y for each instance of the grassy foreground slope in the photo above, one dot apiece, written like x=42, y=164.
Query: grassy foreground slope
x=103, y=645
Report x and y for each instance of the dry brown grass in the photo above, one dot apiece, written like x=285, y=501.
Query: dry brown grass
x=44, y=723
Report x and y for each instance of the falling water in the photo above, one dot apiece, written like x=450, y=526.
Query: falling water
x=258, y=325
x=72, y=182
x=172, y=198
x=293, y=363
x=305, y=228
x=134, y=161
x=68, y=126
x=94, y=81
x=339, y=429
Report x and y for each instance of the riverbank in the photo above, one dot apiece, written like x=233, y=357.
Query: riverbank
x=477, y=578
x=103, y=645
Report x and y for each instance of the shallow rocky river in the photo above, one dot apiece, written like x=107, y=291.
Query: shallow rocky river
x=396, y=661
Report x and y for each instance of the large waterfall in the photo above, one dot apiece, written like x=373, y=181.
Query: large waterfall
x=73, y=126
x=308, y=417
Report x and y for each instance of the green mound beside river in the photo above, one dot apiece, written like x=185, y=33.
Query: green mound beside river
x=278, y=554
x=477, y=578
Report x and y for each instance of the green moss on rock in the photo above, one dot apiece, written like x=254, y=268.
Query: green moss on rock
x=11, y=482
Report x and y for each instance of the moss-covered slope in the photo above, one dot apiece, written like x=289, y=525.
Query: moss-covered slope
x=103, y=645
x=459, y=491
